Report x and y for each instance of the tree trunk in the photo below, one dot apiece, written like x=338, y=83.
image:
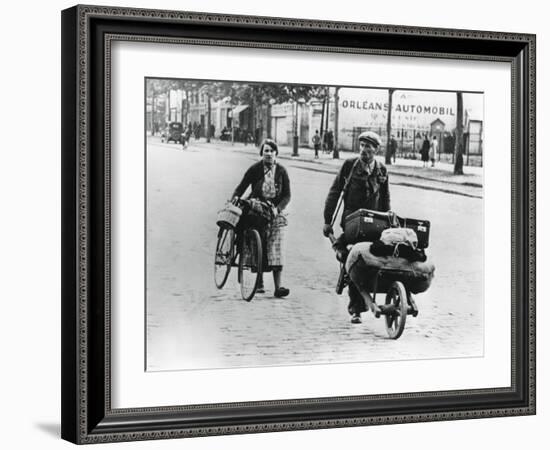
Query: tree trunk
x=388, y=127
x=327, y=114
x=268, y=124
x=232, y=124
x=253, y=115
x=322, y=128
x=336, y=153
x=186, y=120
x=209, y=121
x=182, y=112
x=153, y=104
x=169, y=102
x=459, y=136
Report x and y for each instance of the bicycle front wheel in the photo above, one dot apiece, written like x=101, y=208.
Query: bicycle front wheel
x=224, y=256
x=250, y=263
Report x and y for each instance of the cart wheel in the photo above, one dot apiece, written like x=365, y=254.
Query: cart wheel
x=396, y=316
x=250, y=263
x=224, y=256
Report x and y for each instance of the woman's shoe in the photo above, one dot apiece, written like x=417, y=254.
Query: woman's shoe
x=260, y=289
x=281, y=292
x=356, y=318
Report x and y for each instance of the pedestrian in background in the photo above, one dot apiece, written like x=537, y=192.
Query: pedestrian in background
x=186, y=136
x=269, y=182
x=198, y=131
x=433, y=150
x=330, y=140
x=393, y=148
x=316, y=139
x=425, y=151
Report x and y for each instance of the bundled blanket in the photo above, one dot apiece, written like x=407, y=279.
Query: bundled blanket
x=362, y=267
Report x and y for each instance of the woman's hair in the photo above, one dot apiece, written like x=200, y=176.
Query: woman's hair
x=271, y=143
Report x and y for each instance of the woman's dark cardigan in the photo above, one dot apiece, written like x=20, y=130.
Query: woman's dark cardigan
x=254, y=177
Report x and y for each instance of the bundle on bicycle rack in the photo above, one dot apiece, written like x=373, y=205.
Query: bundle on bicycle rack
x=257, y=215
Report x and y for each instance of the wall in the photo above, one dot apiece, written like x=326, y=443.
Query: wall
x=29, y=335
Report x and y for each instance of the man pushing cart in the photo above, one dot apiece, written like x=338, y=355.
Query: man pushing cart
x=378, y=251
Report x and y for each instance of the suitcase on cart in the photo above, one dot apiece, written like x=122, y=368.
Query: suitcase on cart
x=365, y=225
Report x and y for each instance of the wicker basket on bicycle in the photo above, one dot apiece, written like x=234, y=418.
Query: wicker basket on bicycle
x=229, y=216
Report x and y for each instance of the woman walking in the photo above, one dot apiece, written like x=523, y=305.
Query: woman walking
x=433, y=150
x=269, y=183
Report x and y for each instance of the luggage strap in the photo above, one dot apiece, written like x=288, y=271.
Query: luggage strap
x=343, y=192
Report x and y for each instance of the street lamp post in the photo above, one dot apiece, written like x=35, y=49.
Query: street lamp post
x=295, y=137
x=336, y=152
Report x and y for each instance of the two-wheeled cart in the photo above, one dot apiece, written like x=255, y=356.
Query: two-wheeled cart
x=395, y=278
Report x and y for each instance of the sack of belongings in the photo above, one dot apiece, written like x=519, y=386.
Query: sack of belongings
x=398, y=242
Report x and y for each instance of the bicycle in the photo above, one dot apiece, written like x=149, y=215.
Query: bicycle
x=239, y=245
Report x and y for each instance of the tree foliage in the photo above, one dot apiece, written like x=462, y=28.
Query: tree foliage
x=238, y=93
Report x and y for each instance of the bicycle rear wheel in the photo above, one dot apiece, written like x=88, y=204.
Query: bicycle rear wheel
x=224, y=255
x=250, y=263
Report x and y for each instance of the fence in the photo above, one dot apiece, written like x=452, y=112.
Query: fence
x=409, y=143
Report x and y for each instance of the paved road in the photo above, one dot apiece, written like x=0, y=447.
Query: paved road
x=192, y=325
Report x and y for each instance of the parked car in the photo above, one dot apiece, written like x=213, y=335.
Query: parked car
x=173, y=132
x=225, y=134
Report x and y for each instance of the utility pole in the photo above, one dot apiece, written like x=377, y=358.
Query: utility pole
x=459, y=161
x=388, y=128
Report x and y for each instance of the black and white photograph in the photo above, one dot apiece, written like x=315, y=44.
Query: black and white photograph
x=282, y=224
x=298, y=224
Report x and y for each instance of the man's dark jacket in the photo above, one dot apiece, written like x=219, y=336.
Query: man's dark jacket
x=367, y=191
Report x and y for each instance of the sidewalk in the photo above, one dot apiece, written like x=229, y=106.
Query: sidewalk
x=442, y=172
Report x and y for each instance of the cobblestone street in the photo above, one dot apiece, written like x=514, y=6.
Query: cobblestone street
x=192, y=325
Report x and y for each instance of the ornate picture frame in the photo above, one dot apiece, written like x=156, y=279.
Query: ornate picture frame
x=88, y=415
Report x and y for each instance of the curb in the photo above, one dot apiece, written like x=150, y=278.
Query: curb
x=391, y=169
x=326, y=168
x=319, y=166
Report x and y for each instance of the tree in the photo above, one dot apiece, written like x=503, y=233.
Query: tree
x=459, y=137
x=155, y=89
x=161, y=88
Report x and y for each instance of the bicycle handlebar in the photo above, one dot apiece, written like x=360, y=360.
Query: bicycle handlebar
x=238, y=201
